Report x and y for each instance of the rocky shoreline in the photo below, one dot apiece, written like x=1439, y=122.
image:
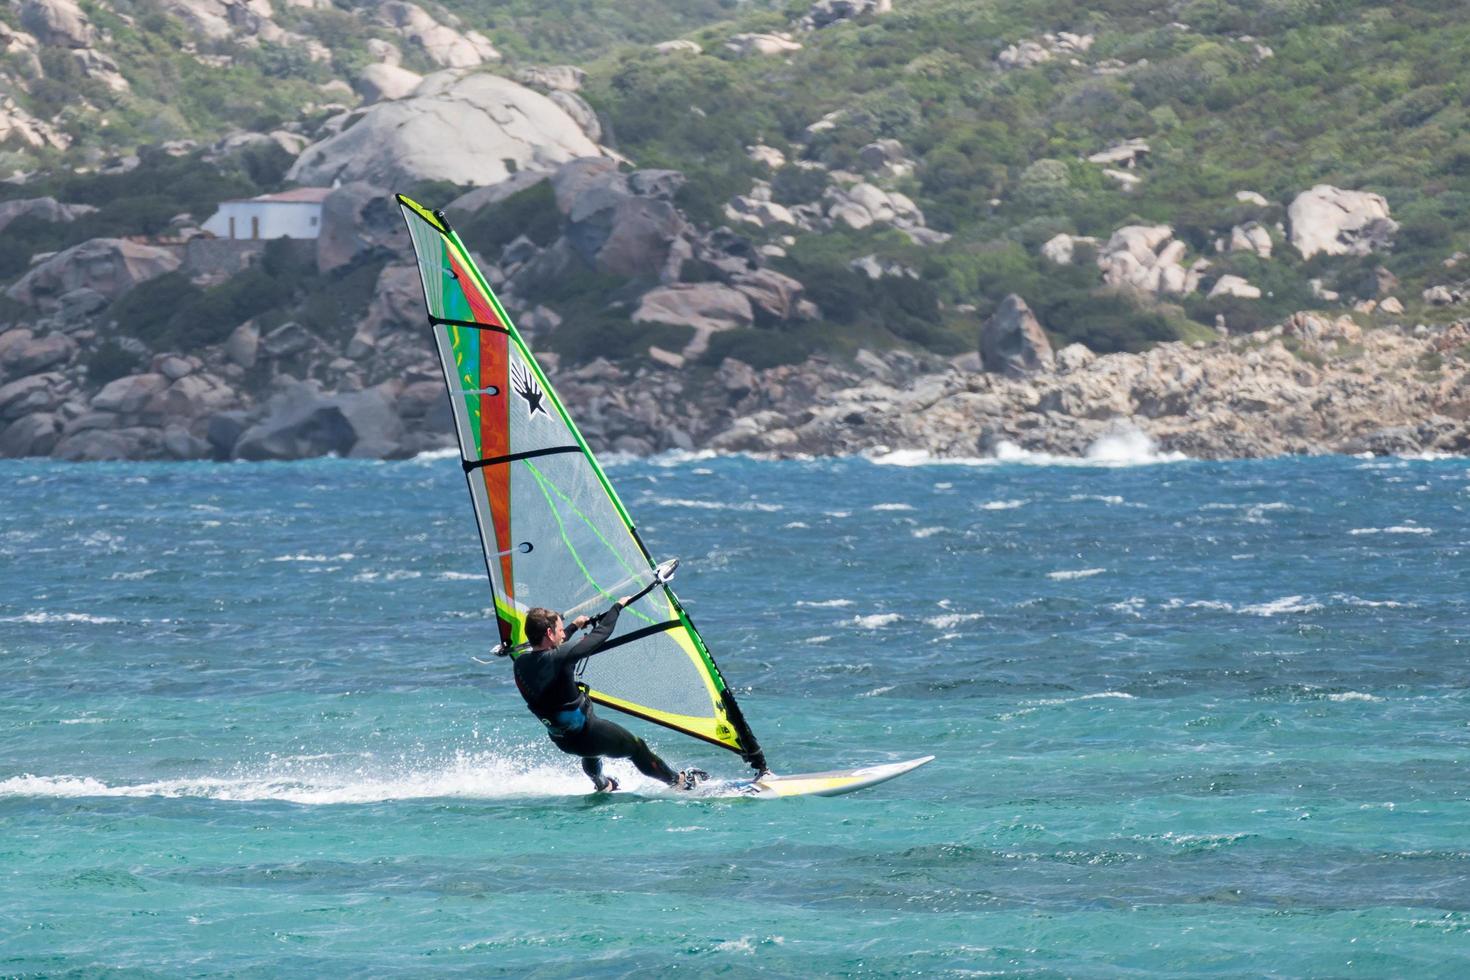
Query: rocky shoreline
x=1311, y=385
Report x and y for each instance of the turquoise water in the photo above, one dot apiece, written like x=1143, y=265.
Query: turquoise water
x=1205, y=718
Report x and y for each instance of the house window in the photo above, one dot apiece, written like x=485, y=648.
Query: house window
x=254, y=226
x=510, y=164
x=313, y=221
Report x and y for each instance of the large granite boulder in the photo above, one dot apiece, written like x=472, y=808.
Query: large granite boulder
x=32, y=435
x=301, y=422
x=708, y=307
x=381, y=82
x=33, y=393
x=443, y=44
x=44, y=208
x=111, y=266
x=1338, y=222
x=1012, y=341
x=358, y=218
x=1150, y=258
x=60, y=23
x=467, y=129
x=23, y=353
x=623, y=224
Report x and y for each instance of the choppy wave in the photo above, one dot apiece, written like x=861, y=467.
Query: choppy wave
x=41, y=617
x=876, y=621
x=1286, y=604
x=1396, y=529
x=1067, y=575
x=1002, y=504
x=344, y=556
x=746, y=505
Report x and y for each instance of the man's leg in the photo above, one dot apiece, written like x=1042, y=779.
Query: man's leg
x=592, y=766
x=599, y=737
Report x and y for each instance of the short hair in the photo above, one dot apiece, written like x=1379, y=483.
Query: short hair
x=539, y=622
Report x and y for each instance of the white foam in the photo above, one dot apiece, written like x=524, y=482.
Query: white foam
x=818, y=639
x=1002, y=504
x=953, y=619
x=1100, y=498
x=824, y=603
x=1286, y=604
x=429, y=455
x=795, y=526
x=876, y=621
x=748, y=505
x=474, y=775
x=926, y=532
x=920, y=457
x=459, y=577
x=876, y=691
x=132, y=576
x=1064, y=576
x=345, y=556
x=50, y=617
x=1396, y=529
x=679, y=457
x=892, y=507
x=1353, y=696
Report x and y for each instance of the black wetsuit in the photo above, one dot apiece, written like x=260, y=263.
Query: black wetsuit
x=547, y=681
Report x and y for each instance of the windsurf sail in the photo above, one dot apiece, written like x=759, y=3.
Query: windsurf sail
x=552, y=528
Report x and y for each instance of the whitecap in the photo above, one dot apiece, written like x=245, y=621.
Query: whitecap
x=952, y=620
x=892, y=507
x=795, y=526
x=345, y=556
x=920, y=457
x=876, y=691
x=876, y=620
x=1286, y=604
x=818, y=639
x=1353, y=696
x=926, y=532
x=132, y=576
x=748, y=505
x=1064, y=576
x=49, y=617
x=1002, y=504
x=1396, y=529
x=824, y=603
x=459, y=577
x=429, y=455
x=1100, y=498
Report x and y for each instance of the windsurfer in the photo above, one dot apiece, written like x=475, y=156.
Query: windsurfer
x=545, y=675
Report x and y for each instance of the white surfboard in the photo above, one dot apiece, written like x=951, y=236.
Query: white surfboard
x=832, y=783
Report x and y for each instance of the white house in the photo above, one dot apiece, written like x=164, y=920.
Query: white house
x=289, y=214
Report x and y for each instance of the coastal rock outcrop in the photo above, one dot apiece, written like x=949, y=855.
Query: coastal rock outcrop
x=471, y=130
x=109, y=266
x=1012, y=342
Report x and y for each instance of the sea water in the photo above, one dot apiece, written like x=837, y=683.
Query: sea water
x=1190, y=717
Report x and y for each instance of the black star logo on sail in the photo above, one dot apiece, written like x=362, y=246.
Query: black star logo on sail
x=525, y=385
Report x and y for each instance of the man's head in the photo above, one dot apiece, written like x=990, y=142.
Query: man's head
x=541, y=623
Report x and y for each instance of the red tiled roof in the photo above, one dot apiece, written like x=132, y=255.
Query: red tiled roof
x=300, y=195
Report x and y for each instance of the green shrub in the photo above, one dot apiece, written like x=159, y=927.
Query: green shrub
x=531, y=212
x=108, y=362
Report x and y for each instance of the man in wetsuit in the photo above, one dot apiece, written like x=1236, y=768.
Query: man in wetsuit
x=545, y=676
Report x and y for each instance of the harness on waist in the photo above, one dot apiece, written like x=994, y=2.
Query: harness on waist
x=568, y=721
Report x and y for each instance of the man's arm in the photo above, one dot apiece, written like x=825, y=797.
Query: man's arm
x=592, y=642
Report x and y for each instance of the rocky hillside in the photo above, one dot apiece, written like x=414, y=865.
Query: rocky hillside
x=812, y=195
